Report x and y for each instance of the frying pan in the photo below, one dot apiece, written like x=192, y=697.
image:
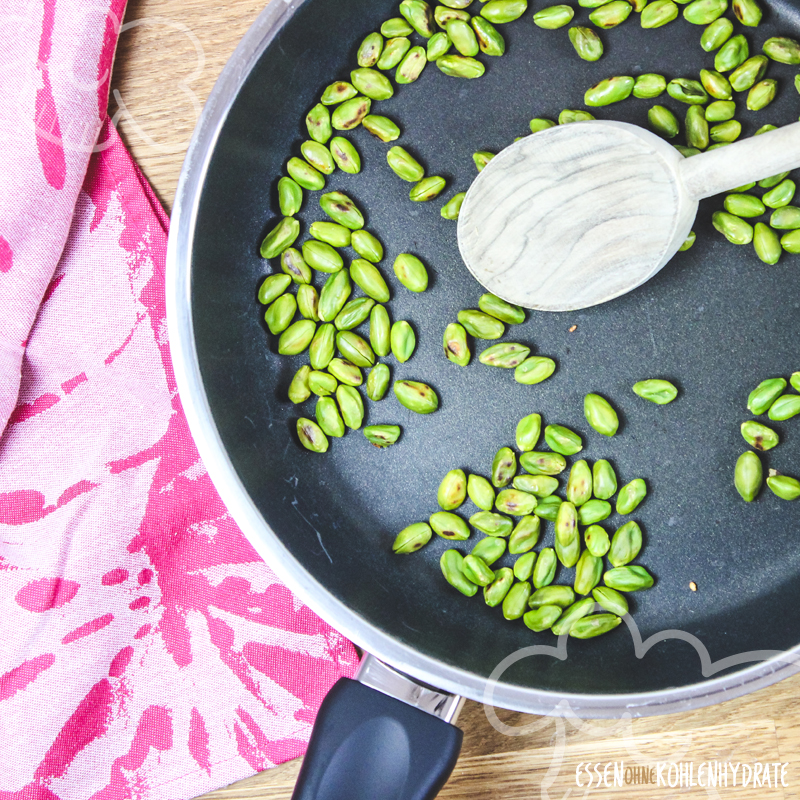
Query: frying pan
x=716, y=321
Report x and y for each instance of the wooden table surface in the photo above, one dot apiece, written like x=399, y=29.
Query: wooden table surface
x=170, y=54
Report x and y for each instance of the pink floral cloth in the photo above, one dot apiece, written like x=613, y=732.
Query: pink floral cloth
x=145, y=649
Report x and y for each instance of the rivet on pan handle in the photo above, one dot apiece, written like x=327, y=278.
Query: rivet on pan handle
x=381, y=736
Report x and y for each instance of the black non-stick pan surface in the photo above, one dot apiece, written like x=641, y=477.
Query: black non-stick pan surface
x=716, y=321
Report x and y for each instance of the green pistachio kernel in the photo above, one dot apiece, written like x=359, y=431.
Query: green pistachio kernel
x=628, y=579
x=318, y=123
x=502, y=11
x=437, y=46
x=762, y=94
x=396, y=26
x=600, y=414
x=597, y=541
x=594, y=625
x=786, y=218
x=350, y=114
x=785, y=407
x=411, y=272
x=540, y=124
x=579, y=484
x=764, y=395
x=593, y=511
x=588, y=572
x=455, y=344
x=329, y=418
x=529, y=430
x=562, y=440
x=460, y=66
x=703, y=12
x=783, y=50
x=403, y=341
x=609, y=90
x=367, y=246
x=299, y=391
x=734, y=52
x=767, y=244
x=721, y=111
x=452, y=208
x=480, y=325
x=369, y=279
x=311, y=436
x=525, y=535
x=427, y=189
x=280, y=238
x=716, y=34
x=404, y=165
x=586, y=42
x=604, y=480
x=378, y=382
x=784, y=487
x=490, y=549
x=369, y=52
x=452, y=566
x=631, y=495
x=449, y=526
x=573, y=115
x=382, y=435
x=655, y=390
x=609, y=15
x=394, y=52
x=534, y=369
x=543, y=463
x=649, y=85
x=611, y=600
x=748, y=476
x=554, y=17
x=576, y=611
x=658, y=13
x=273, y=287
x=626, y=544
x=412, y=538
x=544, y=570
x=382, y=127
x=663, y=121
x=496, y=591
x=290, y=197
x=492, y=524
x=481, y=492
x=734, y=229
x=416, y=396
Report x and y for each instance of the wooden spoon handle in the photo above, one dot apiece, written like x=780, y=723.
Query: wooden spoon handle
x=741, y=162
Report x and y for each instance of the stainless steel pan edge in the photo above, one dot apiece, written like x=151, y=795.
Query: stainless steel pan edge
x=259, y=533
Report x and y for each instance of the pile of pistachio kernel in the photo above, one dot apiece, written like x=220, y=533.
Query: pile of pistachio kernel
x=488, y=322
x=767, y=398
x=511, y=509
x=329, y=316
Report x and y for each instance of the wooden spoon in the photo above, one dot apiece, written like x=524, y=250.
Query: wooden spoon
x=581, y=213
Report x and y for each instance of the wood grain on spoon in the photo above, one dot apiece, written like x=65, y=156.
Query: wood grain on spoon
x=577, y=215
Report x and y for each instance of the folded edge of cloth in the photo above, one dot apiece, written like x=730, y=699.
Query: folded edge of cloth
x=147, y=651
x=56, y=64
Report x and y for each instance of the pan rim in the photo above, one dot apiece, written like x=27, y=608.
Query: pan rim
x=261, y=536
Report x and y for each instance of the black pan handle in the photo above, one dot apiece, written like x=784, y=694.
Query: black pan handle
x=367, y=745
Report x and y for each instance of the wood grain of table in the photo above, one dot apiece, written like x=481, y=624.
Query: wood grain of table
x=169, y=56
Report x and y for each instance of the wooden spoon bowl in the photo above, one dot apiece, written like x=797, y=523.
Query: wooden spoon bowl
x=579, y=214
